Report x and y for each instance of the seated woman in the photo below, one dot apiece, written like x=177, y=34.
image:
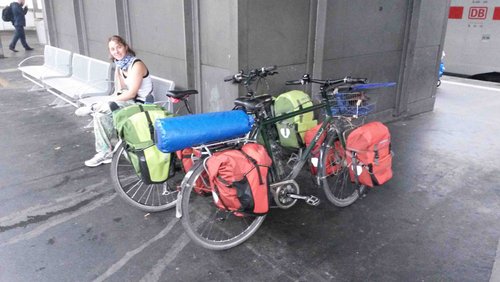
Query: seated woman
x=133, y=84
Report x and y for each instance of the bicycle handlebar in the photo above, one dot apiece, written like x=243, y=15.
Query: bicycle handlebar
x=307, y=79
x=248, y=77
x=229, y=78
x=267, y=69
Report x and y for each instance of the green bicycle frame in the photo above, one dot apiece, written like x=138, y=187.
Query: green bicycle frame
x=263, y=127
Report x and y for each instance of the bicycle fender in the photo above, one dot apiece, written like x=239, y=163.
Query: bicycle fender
x=332, y=133
x=184, y=183
x=178, y=210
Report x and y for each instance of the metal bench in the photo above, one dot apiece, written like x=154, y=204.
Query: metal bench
x=89, y=77
x=160, y=87
x=56, y=63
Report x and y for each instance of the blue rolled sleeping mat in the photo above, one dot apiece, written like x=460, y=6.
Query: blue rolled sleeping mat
x=176, y=133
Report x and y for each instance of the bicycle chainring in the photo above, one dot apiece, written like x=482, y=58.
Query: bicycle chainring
x=281, y=192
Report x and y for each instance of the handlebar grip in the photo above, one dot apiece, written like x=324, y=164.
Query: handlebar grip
x=234, y=78
x=268, y=68
x=293, y=82
x=357, y=80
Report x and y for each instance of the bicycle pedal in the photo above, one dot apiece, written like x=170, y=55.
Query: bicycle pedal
x=312, y=200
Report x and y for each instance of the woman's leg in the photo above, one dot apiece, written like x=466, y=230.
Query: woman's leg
x=104, y=132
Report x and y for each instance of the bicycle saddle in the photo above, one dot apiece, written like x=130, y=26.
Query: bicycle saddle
x=181, y=94
x=253, y=104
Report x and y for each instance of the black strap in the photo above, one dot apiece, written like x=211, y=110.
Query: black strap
x=143, y=166
x=255, y=164
x=150, y=123
x=227, y=184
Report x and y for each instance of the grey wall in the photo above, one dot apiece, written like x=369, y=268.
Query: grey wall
x=155, y=31
x=364, y=39
x=93, y=22
x=218, y=47
x=198, y=42
x=160, y=39
x=278, y=33
x=63, y=25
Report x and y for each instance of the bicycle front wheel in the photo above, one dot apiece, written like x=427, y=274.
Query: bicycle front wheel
x=206, y=224
x=146, y=197
x=334, y=174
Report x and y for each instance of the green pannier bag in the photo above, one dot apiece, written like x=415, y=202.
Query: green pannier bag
x=291, y=130
x=135, y=126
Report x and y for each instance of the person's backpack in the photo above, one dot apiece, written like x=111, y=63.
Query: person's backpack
x=135, y=126
x=291, y=130
x=368, y=153
x=239, y=179
x=7, y=14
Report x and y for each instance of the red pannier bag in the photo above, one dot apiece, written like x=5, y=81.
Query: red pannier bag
x=238, y=179
x=333, y=165
x=368, y=152
x=186, y=157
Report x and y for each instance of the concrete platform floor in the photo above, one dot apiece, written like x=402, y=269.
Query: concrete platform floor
x=438, y=219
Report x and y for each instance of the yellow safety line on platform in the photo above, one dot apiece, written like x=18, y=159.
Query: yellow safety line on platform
x=495, y=272
x=470, y=85
x=8, y=70
x=3, y=82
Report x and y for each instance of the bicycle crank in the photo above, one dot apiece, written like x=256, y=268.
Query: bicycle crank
x=310, y=200
x=281, y=192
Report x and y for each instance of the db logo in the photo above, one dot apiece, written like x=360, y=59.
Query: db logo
x=478, y=13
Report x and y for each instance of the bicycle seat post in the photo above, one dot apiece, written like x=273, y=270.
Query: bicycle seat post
x=188, y=108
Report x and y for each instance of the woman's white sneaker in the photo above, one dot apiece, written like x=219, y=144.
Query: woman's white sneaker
x=83, y=111
x=99, y=159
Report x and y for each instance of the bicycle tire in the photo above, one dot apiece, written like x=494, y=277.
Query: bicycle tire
x=146, y=197
x=334, y=174
x=207, y=225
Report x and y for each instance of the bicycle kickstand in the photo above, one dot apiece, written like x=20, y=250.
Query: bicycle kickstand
x=310, y=200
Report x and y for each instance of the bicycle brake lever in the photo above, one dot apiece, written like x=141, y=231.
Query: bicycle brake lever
x=306, y=78
x=238, y=77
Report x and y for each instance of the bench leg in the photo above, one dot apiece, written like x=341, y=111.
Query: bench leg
x=89, y=125
x=36, y=88
x=59, y=103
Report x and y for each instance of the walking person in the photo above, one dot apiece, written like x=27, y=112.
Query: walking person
x=19, y=11
x=133, y=84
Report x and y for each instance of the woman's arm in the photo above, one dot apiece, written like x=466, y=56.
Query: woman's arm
x=119, y=83
x=135, y=74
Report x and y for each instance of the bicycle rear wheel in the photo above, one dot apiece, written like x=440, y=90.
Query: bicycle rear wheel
x=334, y=174
x=206, y=224
x=146, y=197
